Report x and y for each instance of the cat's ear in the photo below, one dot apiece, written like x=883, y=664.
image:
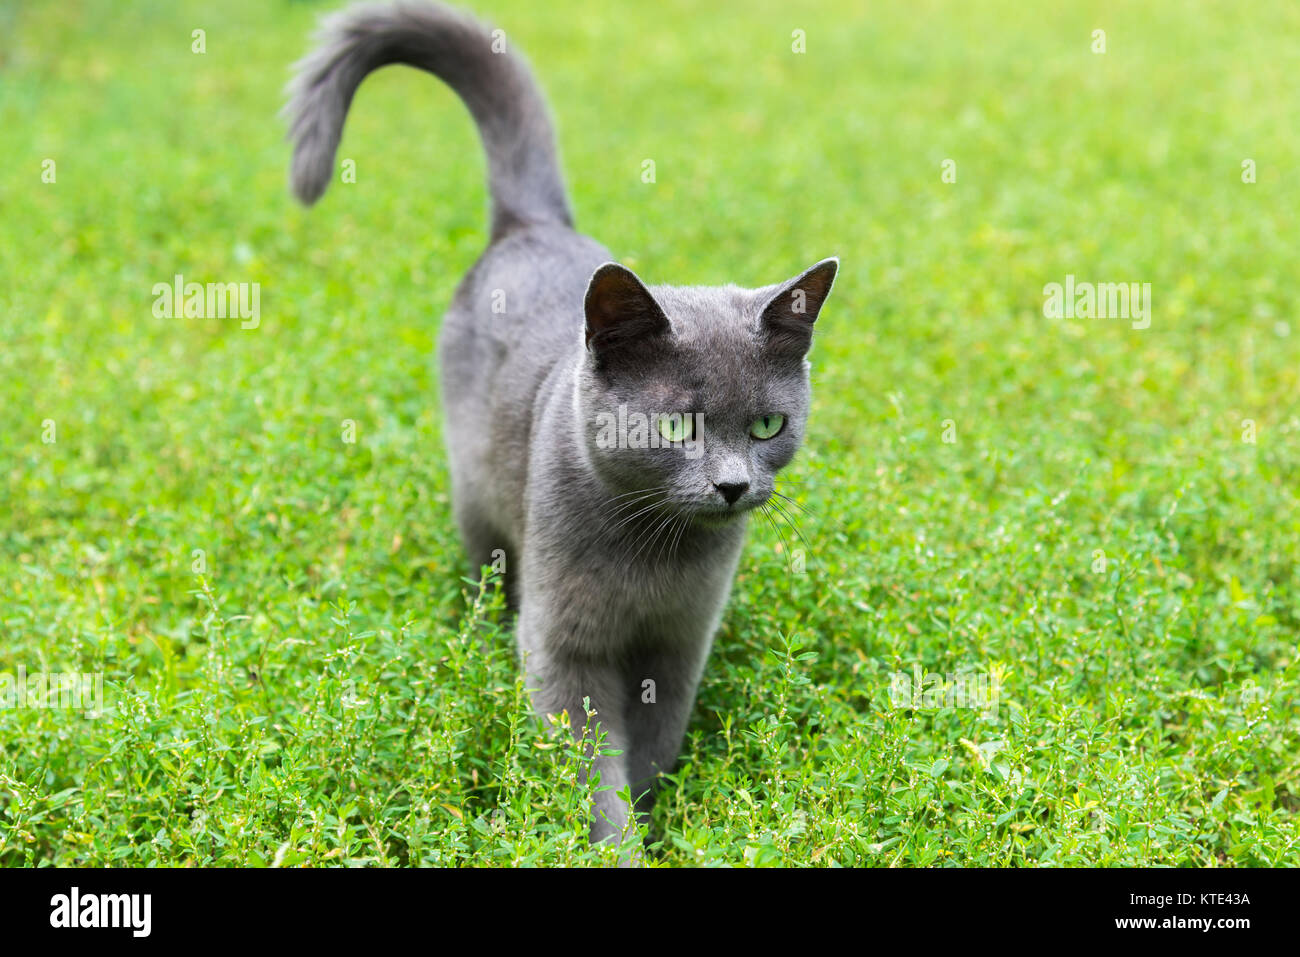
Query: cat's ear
x=788, y=317
x=620, y=311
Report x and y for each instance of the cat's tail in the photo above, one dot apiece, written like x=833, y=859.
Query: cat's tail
x=496, y=85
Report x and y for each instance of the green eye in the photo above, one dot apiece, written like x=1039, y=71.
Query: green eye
x=676, y=427
x=767, y=426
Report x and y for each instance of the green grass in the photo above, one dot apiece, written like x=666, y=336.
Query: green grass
x=331, y=690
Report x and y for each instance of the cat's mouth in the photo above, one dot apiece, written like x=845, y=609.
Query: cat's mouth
x=716, y=516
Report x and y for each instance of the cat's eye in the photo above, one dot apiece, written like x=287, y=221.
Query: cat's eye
x=676, y=428
x=767, y=426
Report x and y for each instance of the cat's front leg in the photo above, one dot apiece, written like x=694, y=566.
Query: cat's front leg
x=663, y=681
x=560, y=682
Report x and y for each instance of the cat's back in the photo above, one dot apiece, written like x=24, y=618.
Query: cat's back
x=520, y=306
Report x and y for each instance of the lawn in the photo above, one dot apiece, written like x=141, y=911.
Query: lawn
x=246, y=531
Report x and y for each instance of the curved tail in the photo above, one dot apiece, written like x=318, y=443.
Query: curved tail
x=496, y=85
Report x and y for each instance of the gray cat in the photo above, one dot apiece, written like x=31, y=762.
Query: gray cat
x=608, y=438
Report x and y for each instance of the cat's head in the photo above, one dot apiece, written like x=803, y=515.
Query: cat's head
x=696, y=396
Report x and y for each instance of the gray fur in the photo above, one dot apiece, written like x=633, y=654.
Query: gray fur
x=498, y=89
x=618, y=560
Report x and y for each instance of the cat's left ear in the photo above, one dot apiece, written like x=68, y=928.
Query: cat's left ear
x=788, y=317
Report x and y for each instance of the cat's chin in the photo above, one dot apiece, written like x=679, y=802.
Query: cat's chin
x=721, y=518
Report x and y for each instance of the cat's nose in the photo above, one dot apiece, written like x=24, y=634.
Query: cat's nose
x=731, y=490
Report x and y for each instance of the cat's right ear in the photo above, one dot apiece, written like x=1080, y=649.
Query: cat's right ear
x=620, y=312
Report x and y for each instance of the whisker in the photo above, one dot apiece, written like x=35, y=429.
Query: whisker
x=799, y=505
x=638, y=491
x=663, y=523
x=668, y=535
x=784, y=545
x=632, y=519
x=686, y=520
x=629, y=518
x=790, y=521
x=631, y=498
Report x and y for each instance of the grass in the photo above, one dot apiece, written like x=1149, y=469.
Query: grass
x=296, y=670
